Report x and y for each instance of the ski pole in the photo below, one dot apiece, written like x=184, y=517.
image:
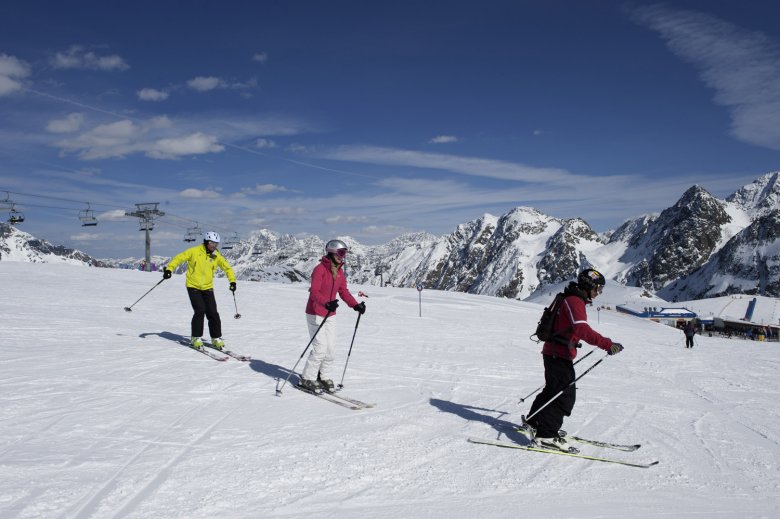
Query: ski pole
x=542, y=386
x=525, y=419
x=238, y=315
x=341, y=384
x=129, y=308
x=279, y=389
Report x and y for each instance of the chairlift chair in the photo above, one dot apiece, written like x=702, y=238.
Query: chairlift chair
x=87, y=217
x=193, y=233
x=229, y=243
x=15, y=216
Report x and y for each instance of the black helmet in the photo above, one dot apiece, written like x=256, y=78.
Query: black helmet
x=590, y=279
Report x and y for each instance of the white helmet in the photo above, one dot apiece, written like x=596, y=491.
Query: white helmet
x=211, y=236
x=337, y=247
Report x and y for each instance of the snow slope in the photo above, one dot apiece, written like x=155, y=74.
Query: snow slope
x=105, y=415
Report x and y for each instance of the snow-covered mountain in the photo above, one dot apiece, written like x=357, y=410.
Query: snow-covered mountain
x=16, y=245
x=699, y=247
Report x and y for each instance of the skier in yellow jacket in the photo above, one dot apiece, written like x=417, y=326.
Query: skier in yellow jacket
x=202, y=261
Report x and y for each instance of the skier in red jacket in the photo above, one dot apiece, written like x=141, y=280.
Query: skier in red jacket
x=569, y=328
x=327, y=280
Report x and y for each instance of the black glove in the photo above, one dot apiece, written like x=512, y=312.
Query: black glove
x=232, y=286
x=360, y=307
x=331, y=306
x=616, y=348
x=167, y=274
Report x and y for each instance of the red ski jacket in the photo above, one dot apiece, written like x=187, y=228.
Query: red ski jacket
x=571, y=324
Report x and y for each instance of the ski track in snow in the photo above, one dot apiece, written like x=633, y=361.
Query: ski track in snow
x=105, y=415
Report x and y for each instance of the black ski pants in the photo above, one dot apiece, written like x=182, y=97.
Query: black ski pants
x=689, y=341
x=558, y=374
x=204, y=304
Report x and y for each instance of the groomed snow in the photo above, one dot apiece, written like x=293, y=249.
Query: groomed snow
x=105, y=415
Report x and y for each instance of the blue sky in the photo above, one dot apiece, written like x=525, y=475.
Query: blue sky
x=372, y=119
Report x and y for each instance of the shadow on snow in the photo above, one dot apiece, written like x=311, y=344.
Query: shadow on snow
x=470, y=413
x=270, y=370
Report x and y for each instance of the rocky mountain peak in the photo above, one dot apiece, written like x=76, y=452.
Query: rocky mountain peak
x=761, y=195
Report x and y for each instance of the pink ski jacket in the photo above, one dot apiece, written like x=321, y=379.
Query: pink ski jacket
x=324, y=287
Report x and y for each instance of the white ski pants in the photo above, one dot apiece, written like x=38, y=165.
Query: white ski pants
x=322, y=347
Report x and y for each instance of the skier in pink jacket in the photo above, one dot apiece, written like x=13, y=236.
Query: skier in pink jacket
x=327, y=280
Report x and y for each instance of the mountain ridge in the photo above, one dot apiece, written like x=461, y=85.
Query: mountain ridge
x=700, y=246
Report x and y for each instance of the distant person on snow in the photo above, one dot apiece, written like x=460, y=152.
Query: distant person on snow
x=202, y=261
x=689, y=331
x=327, y=280
x=570, y=327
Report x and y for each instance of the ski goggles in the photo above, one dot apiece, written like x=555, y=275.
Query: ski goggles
x=341, y=252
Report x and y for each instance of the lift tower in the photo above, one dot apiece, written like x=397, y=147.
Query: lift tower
x=146, y=214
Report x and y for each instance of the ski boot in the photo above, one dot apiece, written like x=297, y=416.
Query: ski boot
x=557, y=443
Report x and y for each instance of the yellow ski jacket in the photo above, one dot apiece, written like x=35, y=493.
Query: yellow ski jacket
x=201, y=266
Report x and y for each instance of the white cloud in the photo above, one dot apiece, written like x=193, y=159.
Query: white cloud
x=204, y=84
x=207, y=83
x=263, y=189
x=195, y=144
x=265, y=143
x=464, y=165
x=741, y=66
x=345, y=220
x=151, y=94
x=12, y=71
x=199, y=193
x=117, y=214
x=150, y=137
x=85, y=236
x=443, y=139
x=76, y=57
x=260, y=57
x=299, y=148
x=384, y=230
x=283, y=211
x=72, y=123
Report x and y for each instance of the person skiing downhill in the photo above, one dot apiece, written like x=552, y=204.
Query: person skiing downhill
x=327, y=280
x=569, y=328
x=202, y=261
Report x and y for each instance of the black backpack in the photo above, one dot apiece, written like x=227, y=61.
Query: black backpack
x=544, y=329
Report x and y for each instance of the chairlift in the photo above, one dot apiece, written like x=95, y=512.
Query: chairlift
x=256, y=251
x=87, y=217
x=229, y=243
x=15, y=216
x=146, y=225
x=193, y=233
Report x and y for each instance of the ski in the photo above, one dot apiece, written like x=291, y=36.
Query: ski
x=353, y=401
x=237, y=356
x=205, y=352
x=510, y=445
x=606, y=445
x=596, y=443
x=332, y=398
